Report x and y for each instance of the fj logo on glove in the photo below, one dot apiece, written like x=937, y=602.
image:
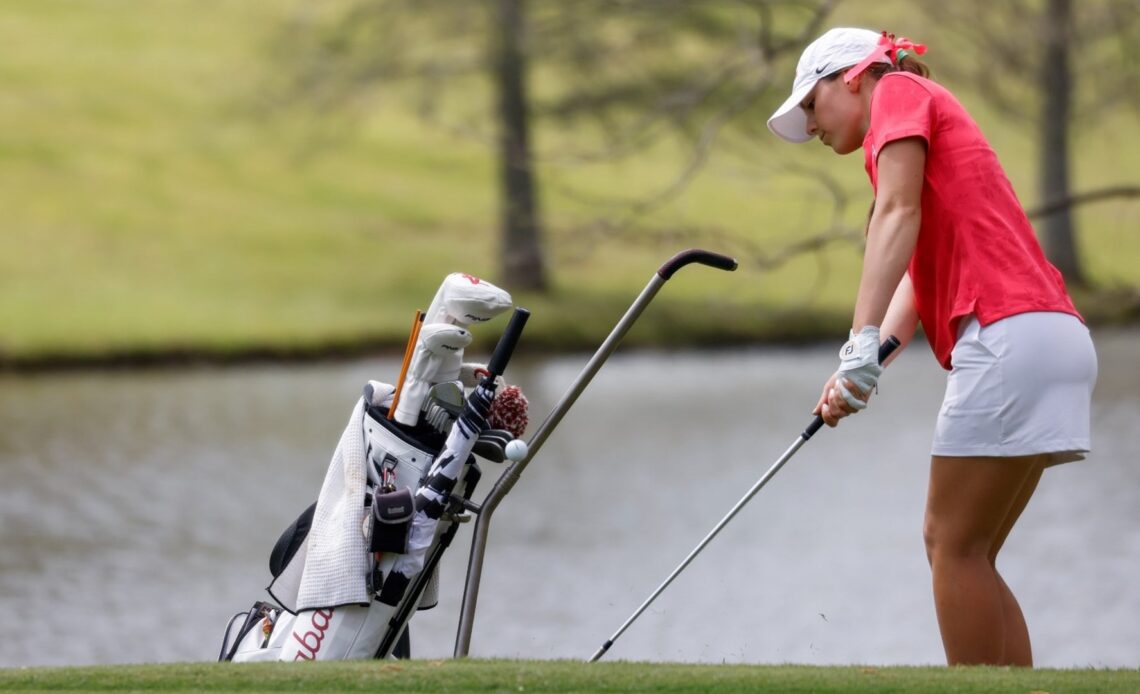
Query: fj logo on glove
x=848, y=350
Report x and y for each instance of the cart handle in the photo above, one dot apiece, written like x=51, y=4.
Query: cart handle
x=696, y=255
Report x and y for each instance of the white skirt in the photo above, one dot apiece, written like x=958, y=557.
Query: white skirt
x=1019, y=386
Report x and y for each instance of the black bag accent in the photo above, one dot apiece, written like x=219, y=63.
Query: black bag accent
x=290, y=541
x=392, y=514
x=394, y=586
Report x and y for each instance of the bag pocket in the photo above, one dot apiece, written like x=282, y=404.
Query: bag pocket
x=392, y=514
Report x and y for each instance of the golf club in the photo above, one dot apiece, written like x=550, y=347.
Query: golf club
x=885, y=350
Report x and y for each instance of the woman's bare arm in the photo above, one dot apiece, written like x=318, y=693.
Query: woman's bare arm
x=893, y=230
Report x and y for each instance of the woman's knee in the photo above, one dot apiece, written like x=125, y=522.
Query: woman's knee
x=972, y=503
x=929, y=535
x=950, y=539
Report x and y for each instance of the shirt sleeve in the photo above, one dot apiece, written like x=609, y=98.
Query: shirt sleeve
x=901, y=108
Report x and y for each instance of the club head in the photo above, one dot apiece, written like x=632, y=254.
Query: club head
x=448, y=394
x=490, y=450
x=442, y=406
x=492, y=445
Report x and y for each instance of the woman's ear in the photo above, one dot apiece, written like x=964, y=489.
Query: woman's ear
x=853, y=82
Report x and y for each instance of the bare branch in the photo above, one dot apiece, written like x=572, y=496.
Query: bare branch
x=819, y=13
x=712, y=127
x=1099, y=195
x=699, y=156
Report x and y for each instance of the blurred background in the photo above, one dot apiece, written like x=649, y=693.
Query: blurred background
x=220, y=216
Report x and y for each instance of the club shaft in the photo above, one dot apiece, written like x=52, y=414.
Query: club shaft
x=591, y=369
x=890, y=345
x=410, y=349
x=708, y=538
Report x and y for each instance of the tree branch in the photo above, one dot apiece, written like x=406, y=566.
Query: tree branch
x=1124, y=191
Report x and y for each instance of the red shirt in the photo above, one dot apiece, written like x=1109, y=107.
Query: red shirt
x=976, y=251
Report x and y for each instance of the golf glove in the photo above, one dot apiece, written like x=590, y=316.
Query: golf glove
x=859, y=364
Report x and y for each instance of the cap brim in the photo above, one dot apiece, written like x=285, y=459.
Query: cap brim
x=789, y=121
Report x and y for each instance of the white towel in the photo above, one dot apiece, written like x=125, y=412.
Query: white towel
x=337, y=564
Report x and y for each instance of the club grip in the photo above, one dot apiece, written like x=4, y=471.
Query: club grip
x=507, y=342
x=889, y=345
x=695, y=255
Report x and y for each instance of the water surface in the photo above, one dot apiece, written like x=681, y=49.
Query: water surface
x=137, y=512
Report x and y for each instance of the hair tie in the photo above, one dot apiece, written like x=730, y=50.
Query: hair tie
x=897, y=49
x=889, y=47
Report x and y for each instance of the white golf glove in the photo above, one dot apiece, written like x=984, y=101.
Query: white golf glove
x=859, y=364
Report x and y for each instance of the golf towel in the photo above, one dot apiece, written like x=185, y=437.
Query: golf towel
x=336, y=565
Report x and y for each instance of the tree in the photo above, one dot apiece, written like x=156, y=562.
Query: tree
x=1027, y=53
x=1055, y=82
x=521, y=244
x=635, y=71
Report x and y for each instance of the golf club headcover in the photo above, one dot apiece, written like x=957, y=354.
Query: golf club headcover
x=439, y=344
x=859, y=363
x=377, y=393
x=509, y=411
x=464, y=299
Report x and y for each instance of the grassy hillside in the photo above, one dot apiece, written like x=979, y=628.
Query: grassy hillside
x=153, y=205
x=558, y=676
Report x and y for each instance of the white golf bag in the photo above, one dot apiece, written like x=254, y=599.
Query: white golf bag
x=342, y=587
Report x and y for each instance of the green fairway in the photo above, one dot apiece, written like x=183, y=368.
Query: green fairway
x=558, y=676
x=156, y=202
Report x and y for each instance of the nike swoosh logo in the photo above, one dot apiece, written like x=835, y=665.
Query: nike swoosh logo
x=819, y=70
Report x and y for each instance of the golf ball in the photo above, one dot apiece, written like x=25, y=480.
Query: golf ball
x=516, y=450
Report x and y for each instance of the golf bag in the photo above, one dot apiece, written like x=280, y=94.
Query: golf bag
x=351, y=570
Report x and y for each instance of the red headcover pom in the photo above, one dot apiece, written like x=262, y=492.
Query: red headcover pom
x=509, y=411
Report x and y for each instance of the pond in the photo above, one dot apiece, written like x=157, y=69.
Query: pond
x=138, y=510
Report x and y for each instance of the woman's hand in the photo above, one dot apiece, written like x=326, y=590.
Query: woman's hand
x=901, y=321
x=831, y=406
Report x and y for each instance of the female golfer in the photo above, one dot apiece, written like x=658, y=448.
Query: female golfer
x=949, y=245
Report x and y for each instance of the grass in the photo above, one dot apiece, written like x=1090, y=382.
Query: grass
x=558, y=676
x=154, y=206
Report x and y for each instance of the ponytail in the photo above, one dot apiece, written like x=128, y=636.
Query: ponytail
x=907, y=63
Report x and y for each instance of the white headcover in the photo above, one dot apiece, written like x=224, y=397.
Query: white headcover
x=438, y=357
x=464, y=299
x=461, y=300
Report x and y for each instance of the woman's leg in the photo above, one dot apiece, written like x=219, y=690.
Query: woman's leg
x=972, y=505
x=1017, y=647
